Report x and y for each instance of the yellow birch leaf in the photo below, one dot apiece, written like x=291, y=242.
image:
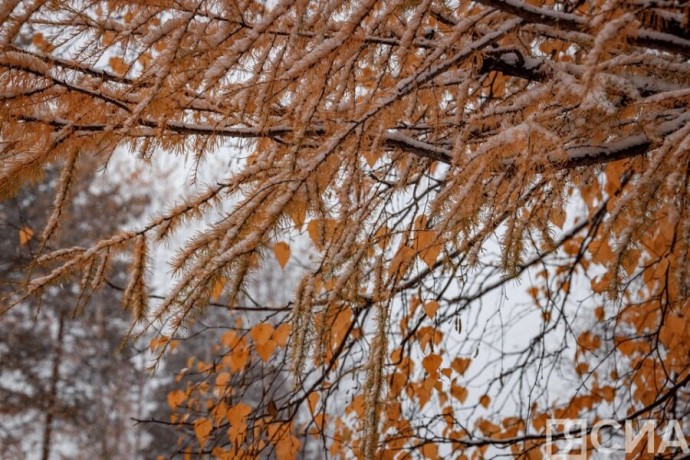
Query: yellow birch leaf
x=202, y=429
x=460, y=365
x=287, y=447
x=261, y=333
x=238, y=357
x=383, y=236
x=297, y=210
x=222, y=454
x=558, y=217
x=608, y=392
x=265, y=349
x=430, y=451
x=175, y=398
x=601, y=251
x=401, y=261
x=219, y=413
x=430, y=308
x=313, y=400
x=458, y=392
x=603, y=284
x=371, y=157
x=25, y=235
x=430, y=255
x=315, y=232
x=485, y=400
x=431, y=363
x=282, y=333
x=427, y=248
x=158, y=342
x=282, y=253
x=320, y=420
x=237, y=413
x=615, y=170
x=487, y=427
x=222, y=379
x=228, y=339
x=421, y=222
x=118, y=65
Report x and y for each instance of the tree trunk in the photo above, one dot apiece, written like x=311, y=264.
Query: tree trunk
x=52, y=394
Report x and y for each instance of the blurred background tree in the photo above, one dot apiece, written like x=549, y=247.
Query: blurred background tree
x=67, y=386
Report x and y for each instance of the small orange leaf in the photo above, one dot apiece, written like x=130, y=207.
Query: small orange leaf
x=282, y=333
x=383, y=236
x=202, y=429
x=430, y=451
x=261, y=333
x=118, y=65
x=428, y=248
x=458, y=392
x=287, y=447
x=239, y=356
x=158, y=342
x=431, y=363
x=372, y=156
x=265, y=349
x=603, y=284
x=282, y=253
x=608, y=392
x=229, y=339
x=487, y=427
x=581, y=368
x=175, y=398
x=222, y=379
x=237, y=413
x=297, y=210
x=460, y=365
x=313, y=400
x=485, y=400
x=25, y=235
x=219, y=412
x=430, y=308
x=558, y=217
x=401, y=261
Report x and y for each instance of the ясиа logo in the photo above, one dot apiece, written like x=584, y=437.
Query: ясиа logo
x=568, y=438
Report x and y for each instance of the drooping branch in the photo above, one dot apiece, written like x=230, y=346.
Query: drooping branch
x=662, y=40
x=578, y=156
